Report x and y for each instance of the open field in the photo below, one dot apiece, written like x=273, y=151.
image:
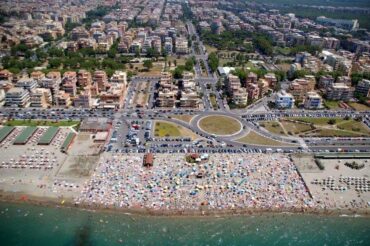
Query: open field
x=332, y=104
x=321, y=127
x=212, y=98
x=257, y=139
x=273, y=127
x=354, y=126
x=359, y=106
x=141, y=95
x=171, y=60
x=139, y=67
x=317, y=121
x=41, y=123
x=219, y=125
x=169, y=129
x=293, y=128
x=210, y=49
x=334, y=133
x=184, y=117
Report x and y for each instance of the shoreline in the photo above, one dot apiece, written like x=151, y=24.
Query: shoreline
x=16, y=198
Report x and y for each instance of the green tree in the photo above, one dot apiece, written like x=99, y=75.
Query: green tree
x=213, y=61
x=148, y=64
x=332, y=121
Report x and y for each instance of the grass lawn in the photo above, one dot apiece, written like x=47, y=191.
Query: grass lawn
x=332, y=104
x=184, y=117
x=179, y=61
x=41, y=123
x=317, y=121
x=359, y=106
x=256, y=139
x=169, y=129
x=334, y=133
x=212, y=98
x=219, y=125
x=355, y=126
x=295, y=128
x=273, y=127
x=210, y=49
x=284, y=51
x=341, y=128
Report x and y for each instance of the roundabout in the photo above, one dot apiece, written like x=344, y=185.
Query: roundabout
x=220, y=125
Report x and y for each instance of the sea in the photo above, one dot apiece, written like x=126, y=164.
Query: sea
x=25, y=224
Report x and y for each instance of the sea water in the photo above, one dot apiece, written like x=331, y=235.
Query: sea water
x=23, y=224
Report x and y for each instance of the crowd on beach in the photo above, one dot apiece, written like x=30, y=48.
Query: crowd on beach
x=221, y=182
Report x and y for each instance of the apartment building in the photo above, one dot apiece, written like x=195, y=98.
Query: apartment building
x=41, y=98
x=101, y=79
x=84, y=78
x=339, y=92
x=312, y=100
x=17, y=97
x=363, y=88
x=113, y=97
x=284, y=100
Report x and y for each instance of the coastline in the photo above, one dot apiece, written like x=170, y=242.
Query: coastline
x=17, y=198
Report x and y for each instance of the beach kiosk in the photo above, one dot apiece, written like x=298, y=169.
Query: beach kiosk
x=148, y=160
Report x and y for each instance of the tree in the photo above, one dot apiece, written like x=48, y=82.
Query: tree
x=213, y=61
x=332, y=121
x=189, y=64
x=177, y=73
x=264, y=44
x=148, y=64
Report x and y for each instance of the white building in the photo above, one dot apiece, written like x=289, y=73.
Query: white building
x=312, y=100
x=284, y=100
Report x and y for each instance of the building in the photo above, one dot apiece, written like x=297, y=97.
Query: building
x=119, y=77
x=312, y=100
x=37, y=75
x=182, y=46
x=95, y=125
x=252, y=78
x=264, y=86
x=6, y=75
x=253, y=91
x=271, y=79
x=27, y=84
x=83, y=100
x=238, y=94
x=101, y=79
x=189, y=99
x=299, y=88
x=148, y=160
x=363, y=88
x=2, y=97
x=70, y=83
x=17, y=97
x=114, y=97
x=41, y=98
x=240, y=97
x=63, y=99
x=167, y=91
x=284, y=100
x=339, y=92
x=52, y=84
x=350, y=25
x=326, y=81
x=84, y=78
